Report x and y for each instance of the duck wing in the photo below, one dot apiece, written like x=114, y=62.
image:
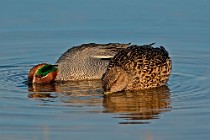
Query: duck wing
x=92, y=50
x=107, y=51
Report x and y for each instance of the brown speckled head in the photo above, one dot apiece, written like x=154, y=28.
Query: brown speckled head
x=42, y=73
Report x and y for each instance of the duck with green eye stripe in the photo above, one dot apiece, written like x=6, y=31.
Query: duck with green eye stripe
x=84, y=62
x=43, y=71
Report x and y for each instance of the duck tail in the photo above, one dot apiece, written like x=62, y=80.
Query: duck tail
x=152, y=44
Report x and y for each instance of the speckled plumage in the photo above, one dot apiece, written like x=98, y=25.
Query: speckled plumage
x=86, y=62
x=136, y=68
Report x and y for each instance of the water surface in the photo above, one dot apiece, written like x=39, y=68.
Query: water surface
x=38, y=31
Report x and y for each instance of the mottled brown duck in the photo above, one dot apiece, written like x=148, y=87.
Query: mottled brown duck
x=137, y=68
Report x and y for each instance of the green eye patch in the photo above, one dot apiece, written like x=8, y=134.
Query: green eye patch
x=43, y=71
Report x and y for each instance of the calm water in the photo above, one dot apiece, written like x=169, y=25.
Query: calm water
x=38, y=31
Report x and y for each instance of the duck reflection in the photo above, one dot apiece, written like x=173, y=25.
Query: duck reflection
x=81, y=92
x=138, y=105
x=135, y=107
x=41, y=91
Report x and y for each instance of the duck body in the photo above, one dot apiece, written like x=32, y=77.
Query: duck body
x=137, y=68
x=84, y=62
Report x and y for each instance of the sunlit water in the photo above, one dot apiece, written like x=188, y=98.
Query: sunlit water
x=35, y=32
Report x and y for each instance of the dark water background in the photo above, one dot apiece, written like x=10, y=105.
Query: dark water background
x=38, y=31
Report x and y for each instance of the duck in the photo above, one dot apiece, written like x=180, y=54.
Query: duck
x=82, y=62
x=137, y=68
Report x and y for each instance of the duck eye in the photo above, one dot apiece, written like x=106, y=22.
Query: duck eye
x=46, y=69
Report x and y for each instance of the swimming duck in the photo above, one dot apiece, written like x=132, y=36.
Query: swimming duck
x=137, y=68
x=84, y=62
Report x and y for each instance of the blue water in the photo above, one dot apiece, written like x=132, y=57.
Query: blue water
x=38, y=31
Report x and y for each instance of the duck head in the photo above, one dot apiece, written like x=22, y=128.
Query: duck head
x=114, y=80
x=42, y=73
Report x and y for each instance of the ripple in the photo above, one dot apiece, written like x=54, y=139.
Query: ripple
x=13, y=77
x=189, y=82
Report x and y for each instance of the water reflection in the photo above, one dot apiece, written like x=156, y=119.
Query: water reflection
x=81, y=92
x=135, y=107
x=75, y=88
x=138, y=105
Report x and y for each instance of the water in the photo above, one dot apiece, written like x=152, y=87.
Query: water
x=38, y=31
